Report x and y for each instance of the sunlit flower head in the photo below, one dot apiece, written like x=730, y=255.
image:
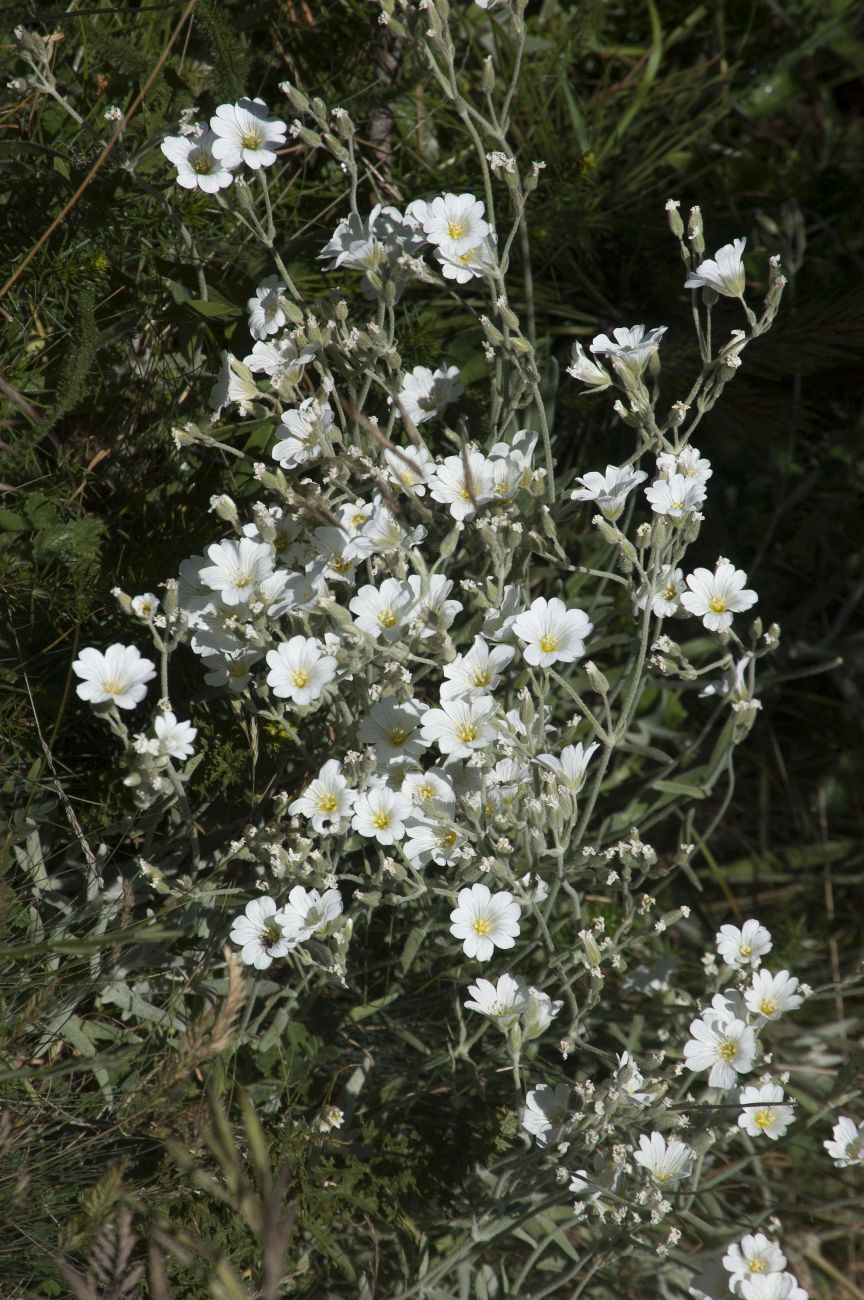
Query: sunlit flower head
x=246, y=134
x=666, y=1162
x=484, y=921
x=198, y=165
x=846, y=1144
x=745, y=946
x=551, y=633
x=260, y=935
x=765, y=1112
x=118, y=676
x=610, y=490
x=716, y=596
x=724, y=272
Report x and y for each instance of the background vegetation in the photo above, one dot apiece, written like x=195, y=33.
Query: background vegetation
x=120, y=1135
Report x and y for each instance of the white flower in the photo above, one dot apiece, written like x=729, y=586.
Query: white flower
x=456, y=223
x=393, y=729
x=308, y=428
x=676, y=497
x=265, y=309
x=687, y=462
x=715, y=597
x=463, y=483
x=772, y=995
x=409, y=467
x=724, y=272
x=552, y=633
x=383, y=611
x=260, y=934
x=118, y=675
x=381, y=244
x=764, y=1113
x=476, y=673
x=425, y=393
x=327, y=801
x=485, y=921
x=587, y=371
x=331, y=1117
x=433, y=841
x=428, y=789
x=175, y=738
x=299, y=669
x=744, y=947
x=237, y=569
x=145, y=605
x=631, y=1080
x=726, y=1047
x=307, y=912
x=282, y=360
x=571, y=767
x=246, y=134
x=665, y=594
x=460, y=727
x=381, y=813
x=753, y=1255
x=633, y=347
x=196, y=162
x=846, y=1144
x=546, y=1112
x=665, y=1162
x=234, y=383
x=434, y=611
x=501, y=1002
x=471, y=263
x=498, y=623
x=776, y=1286
x=609, y=490
x=538, y=1012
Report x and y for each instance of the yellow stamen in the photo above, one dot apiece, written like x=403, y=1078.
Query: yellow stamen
x=548, y=644
x=251, y=140
x=482, y=927
x=728, y=1051
x=300, y=678
x=768, y=1007
x=203, y=165
x=381, y=820
x=327, y=803
x=387, y=618
x=467, y=732
x=717, y=605
x=764, y=1118
x=455, y=230
x=397, y=736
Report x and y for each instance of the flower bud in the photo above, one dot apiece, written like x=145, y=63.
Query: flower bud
x=676, y=225
x=224, y=508
x=599, y=682
x=488, y=78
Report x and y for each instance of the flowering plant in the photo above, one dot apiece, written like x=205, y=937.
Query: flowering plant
x=496, y=703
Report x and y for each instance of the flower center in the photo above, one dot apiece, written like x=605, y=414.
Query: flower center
x=745, y=950
x=113, y=686
x=767, y=1007
x=300, y=678
x=463, y=493
x=764, y=1118
x=465, y=259
x=425, y=792
x=271, y=934
x=481, y=677
x=327, y=803
x=679, y=505
x=387, y=617
x=727, y=1051
x=455, y=230
x=447, y=839
x=251, y=140
x=397, y=736
x=482, y=927
x=548, y=643
x=756, y=1265
x=661, y=1176
x=203, y=165
x=467, y=732
x=853, y=1149
x=381, y=820
x=717, y=605
x=237, y=670
x=242, y=580
x=669, y=592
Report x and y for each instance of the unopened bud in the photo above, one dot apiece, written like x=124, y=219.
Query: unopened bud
x=599, y=682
